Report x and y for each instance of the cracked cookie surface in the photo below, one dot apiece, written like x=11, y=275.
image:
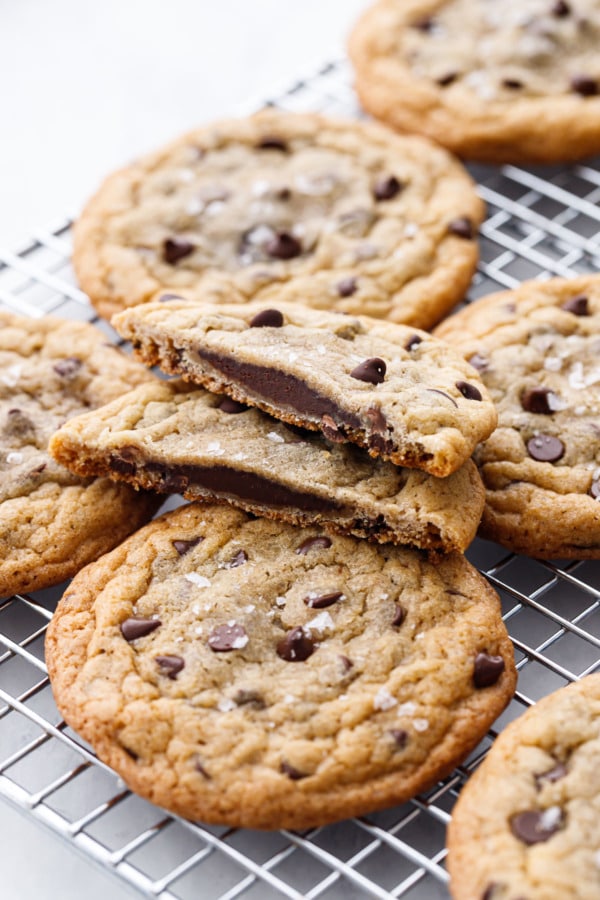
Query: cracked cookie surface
x=399, y=393
x=331, y=214
x=536, y=350
x=174, y=438
x=53, y=522
x=251, y=673
x=527, y=823
x=509, y=82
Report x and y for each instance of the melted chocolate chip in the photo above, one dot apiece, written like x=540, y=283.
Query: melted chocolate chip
x=448, y=78
x=267, y=318
x=331, y=430
x=346, y=287
x=239, y=559
x=249, y=698
x=400, y=737
x=444, y=394
x=399, y=615
x=479, y=362
x=577, y=305
x=68, y=367
x=286, y=769
x=413, y=342
x=469, y=390
x=284, y=246
x=231, y=407
x=379, y=438
x=175, y=249
x=462, y=227
x=513, y=84
x=387, y=188
x=545, y=448
x=169, y=665
x=584, y=85
x=313, y=543
x=137, y=627
x=554, y=774
x=487, y=670
x=227, y=637
x=533, y=827
x=272, y=142
x=536, y=400
x=324, y=600
x=595, y=489
x=560, y=9
x=296, y=646
x=184, y=547
x=165, y=298
x=371, y=370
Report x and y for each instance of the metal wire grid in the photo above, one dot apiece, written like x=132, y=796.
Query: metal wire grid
x=539, y=224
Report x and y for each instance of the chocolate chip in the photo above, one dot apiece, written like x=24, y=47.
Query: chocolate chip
x=320, y=542
x=249, y=698
x=400, y=737
x=577, y=305
x=231, y=407
x=331, y=430
x=513, y=84
x=296, y=646
x=444, y=394
x=371, y=370
x=68, y=367
x=18, y=424
x=492, y=890
x=584, y=85
x=448, y=78
x=535, y=826
x=346, y=287
x=137, y=627
x=184, y=547
x=413, y=342
x=291, y=772
x=227, y=637
x=239, y=559
x=545, y=448
x=200, y=768
x=324, y=600
x=462, y=227
x=560, y=9
x=536, y=400
x=272, y=142
x=284, y=246
x=175, y=249
x=387, y=188
x=469, y=390
x=479, y=362
x=595, y=489
x=487, y=670
x=164, y=298
x=347, y=664
x=554, y=774
x=423, y=23
x=267, y=318
x=169, y=665
x=399, y=615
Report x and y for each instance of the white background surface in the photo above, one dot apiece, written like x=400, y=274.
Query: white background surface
x=85, y=87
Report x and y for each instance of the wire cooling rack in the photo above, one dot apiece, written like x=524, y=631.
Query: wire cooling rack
x=540, y=223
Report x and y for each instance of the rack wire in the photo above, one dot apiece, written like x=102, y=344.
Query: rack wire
x=540, y=223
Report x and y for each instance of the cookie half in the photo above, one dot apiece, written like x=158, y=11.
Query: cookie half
x=250, y=673
x=517, y=81
x=327, y=213
x=53, y=522
x=397, y=392
x=174, y=438
x=527, y=823
x=536, y=349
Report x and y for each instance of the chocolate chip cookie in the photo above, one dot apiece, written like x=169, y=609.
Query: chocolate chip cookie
x=397, y=392
x=174, y=438
x=537, y=352
x=250, y=673
x=332, y=214
x=52, y=522
x=527, y=824
x=502, y=82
